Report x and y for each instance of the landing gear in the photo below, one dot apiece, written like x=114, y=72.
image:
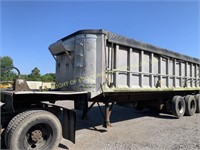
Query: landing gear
x=108, y=110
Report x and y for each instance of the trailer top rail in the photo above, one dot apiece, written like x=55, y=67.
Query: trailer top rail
x=119, y=39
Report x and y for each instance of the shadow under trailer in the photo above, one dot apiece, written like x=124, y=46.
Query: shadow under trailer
x=98, y=66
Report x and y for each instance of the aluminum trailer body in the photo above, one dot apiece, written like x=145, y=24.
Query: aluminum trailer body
x=114, y=68
x=89, y=60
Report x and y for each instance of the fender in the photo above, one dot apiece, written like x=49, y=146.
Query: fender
x=67, y=119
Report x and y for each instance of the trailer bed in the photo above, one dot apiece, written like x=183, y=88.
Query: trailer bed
x=38, y=96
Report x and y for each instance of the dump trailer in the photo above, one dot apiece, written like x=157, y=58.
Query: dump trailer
x=98, y=66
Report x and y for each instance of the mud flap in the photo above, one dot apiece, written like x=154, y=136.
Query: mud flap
x=67, y=119
x=81, y=103
x=69, y=124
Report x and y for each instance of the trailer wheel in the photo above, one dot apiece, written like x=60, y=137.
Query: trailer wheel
x=190, y=105
x=178, y=106
x=35, y=129
x=197, y=97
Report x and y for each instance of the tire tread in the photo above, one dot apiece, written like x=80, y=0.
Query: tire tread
x=15, y=122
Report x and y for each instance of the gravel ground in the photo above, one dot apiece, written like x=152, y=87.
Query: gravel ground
x=136, y=130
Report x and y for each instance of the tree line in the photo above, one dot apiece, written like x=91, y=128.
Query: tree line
x=9, y=72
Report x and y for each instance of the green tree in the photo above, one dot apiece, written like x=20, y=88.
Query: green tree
x=35, y=72
x=6, y=68
x=35, y=75
x=6, y=61
x=24, y=76
x=49, y=77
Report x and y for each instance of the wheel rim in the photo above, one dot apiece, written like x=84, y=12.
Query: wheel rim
x=38, y=136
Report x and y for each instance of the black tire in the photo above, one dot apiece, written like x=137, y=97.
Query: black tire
x=34, y=129
x=190, y=105
x=178, y=106
x=10, y=125
x=197, y=97
x=3, y=146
